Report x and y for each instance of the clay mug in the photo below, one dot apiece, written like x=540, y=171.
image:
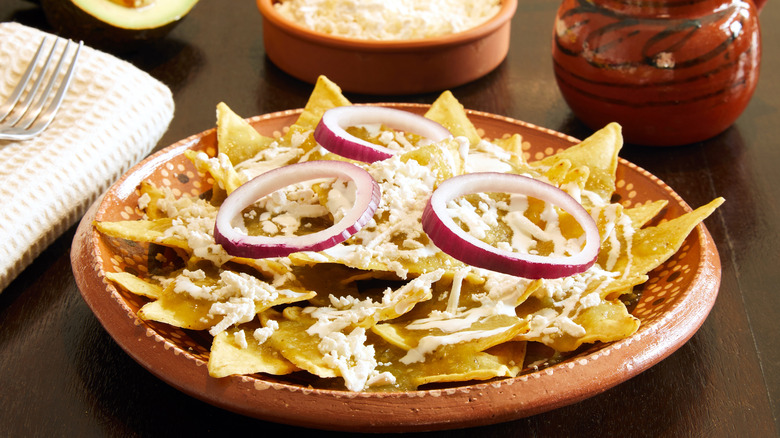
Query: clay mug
x=671, y=72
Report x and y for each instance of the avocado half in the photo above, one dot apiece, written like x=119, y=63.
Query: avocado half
x=115, y=23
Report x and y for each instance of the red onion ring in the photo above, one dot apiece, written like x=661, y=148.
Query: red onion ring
x=452, y=239
x=239, y=244
x=331, y=132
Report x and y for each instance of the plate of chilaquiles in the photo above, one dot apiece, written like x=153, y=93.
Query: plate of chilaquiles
x=394, y=267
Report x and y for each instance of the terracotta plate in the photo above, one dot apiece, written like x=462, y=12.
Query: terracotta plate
x=675, y=302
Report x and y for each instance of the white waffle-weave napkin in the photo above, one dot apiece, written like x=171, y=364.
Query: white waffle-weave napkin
x=112, y=117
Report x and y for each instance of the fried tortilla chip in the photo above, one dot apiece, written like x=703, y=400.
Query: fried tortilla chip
x=446, y=367
x=605, y=322
x=236, y=137
x=599, y=153
x=450, y=113
x=216, y=300
x=142, y=231
x=220, y=168
x=236, y=352
x=295, y=344
x=642, y=214
x=135, y=285
x=179, y=311
x=654, y=245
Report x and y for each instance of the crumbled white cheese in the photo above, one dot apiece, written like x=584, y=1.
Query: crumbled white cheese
x=240, y=338
x=198, y=232
x=235, y=295
x=262, y=334
x=388, y=19
x=346, y=350
x=590, y=300
x=143, y=201
x=269, y=158
x=185, y=206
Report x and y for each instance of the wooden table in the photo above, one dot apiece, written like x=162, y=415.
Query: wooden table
x=61, y=374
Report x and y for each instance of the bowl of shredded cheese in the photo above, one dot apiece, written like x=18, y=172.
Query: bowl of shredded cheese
x=387, y=47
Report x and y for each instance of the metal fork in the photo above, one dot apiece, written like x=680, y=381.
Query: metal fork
x=22, y=118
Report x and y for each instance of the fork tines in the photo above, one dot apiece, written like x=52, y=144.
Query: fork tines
x=30, y=107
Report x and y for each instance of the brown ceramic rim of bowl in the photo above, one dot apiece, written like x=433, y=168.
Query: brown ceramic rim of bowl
x=504, y=14
x=678, y=299
x=387, y=67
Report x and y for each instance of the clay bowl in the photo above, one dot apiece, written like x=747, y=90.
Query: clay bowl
x=674, y=303
x=387, y=67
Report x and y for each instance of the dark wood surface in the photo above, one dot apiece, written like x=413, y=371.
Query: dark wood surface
x=61, y=374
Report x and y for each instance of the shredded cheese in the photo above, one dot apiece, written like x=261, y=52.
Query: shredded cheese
x=388, y=19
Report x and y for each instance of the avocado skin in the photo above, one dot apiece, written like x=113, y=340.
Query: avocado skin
x=70, y=21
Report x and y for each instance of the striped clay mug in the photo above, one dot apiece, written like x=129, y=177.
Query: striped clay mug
x=671, y=72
